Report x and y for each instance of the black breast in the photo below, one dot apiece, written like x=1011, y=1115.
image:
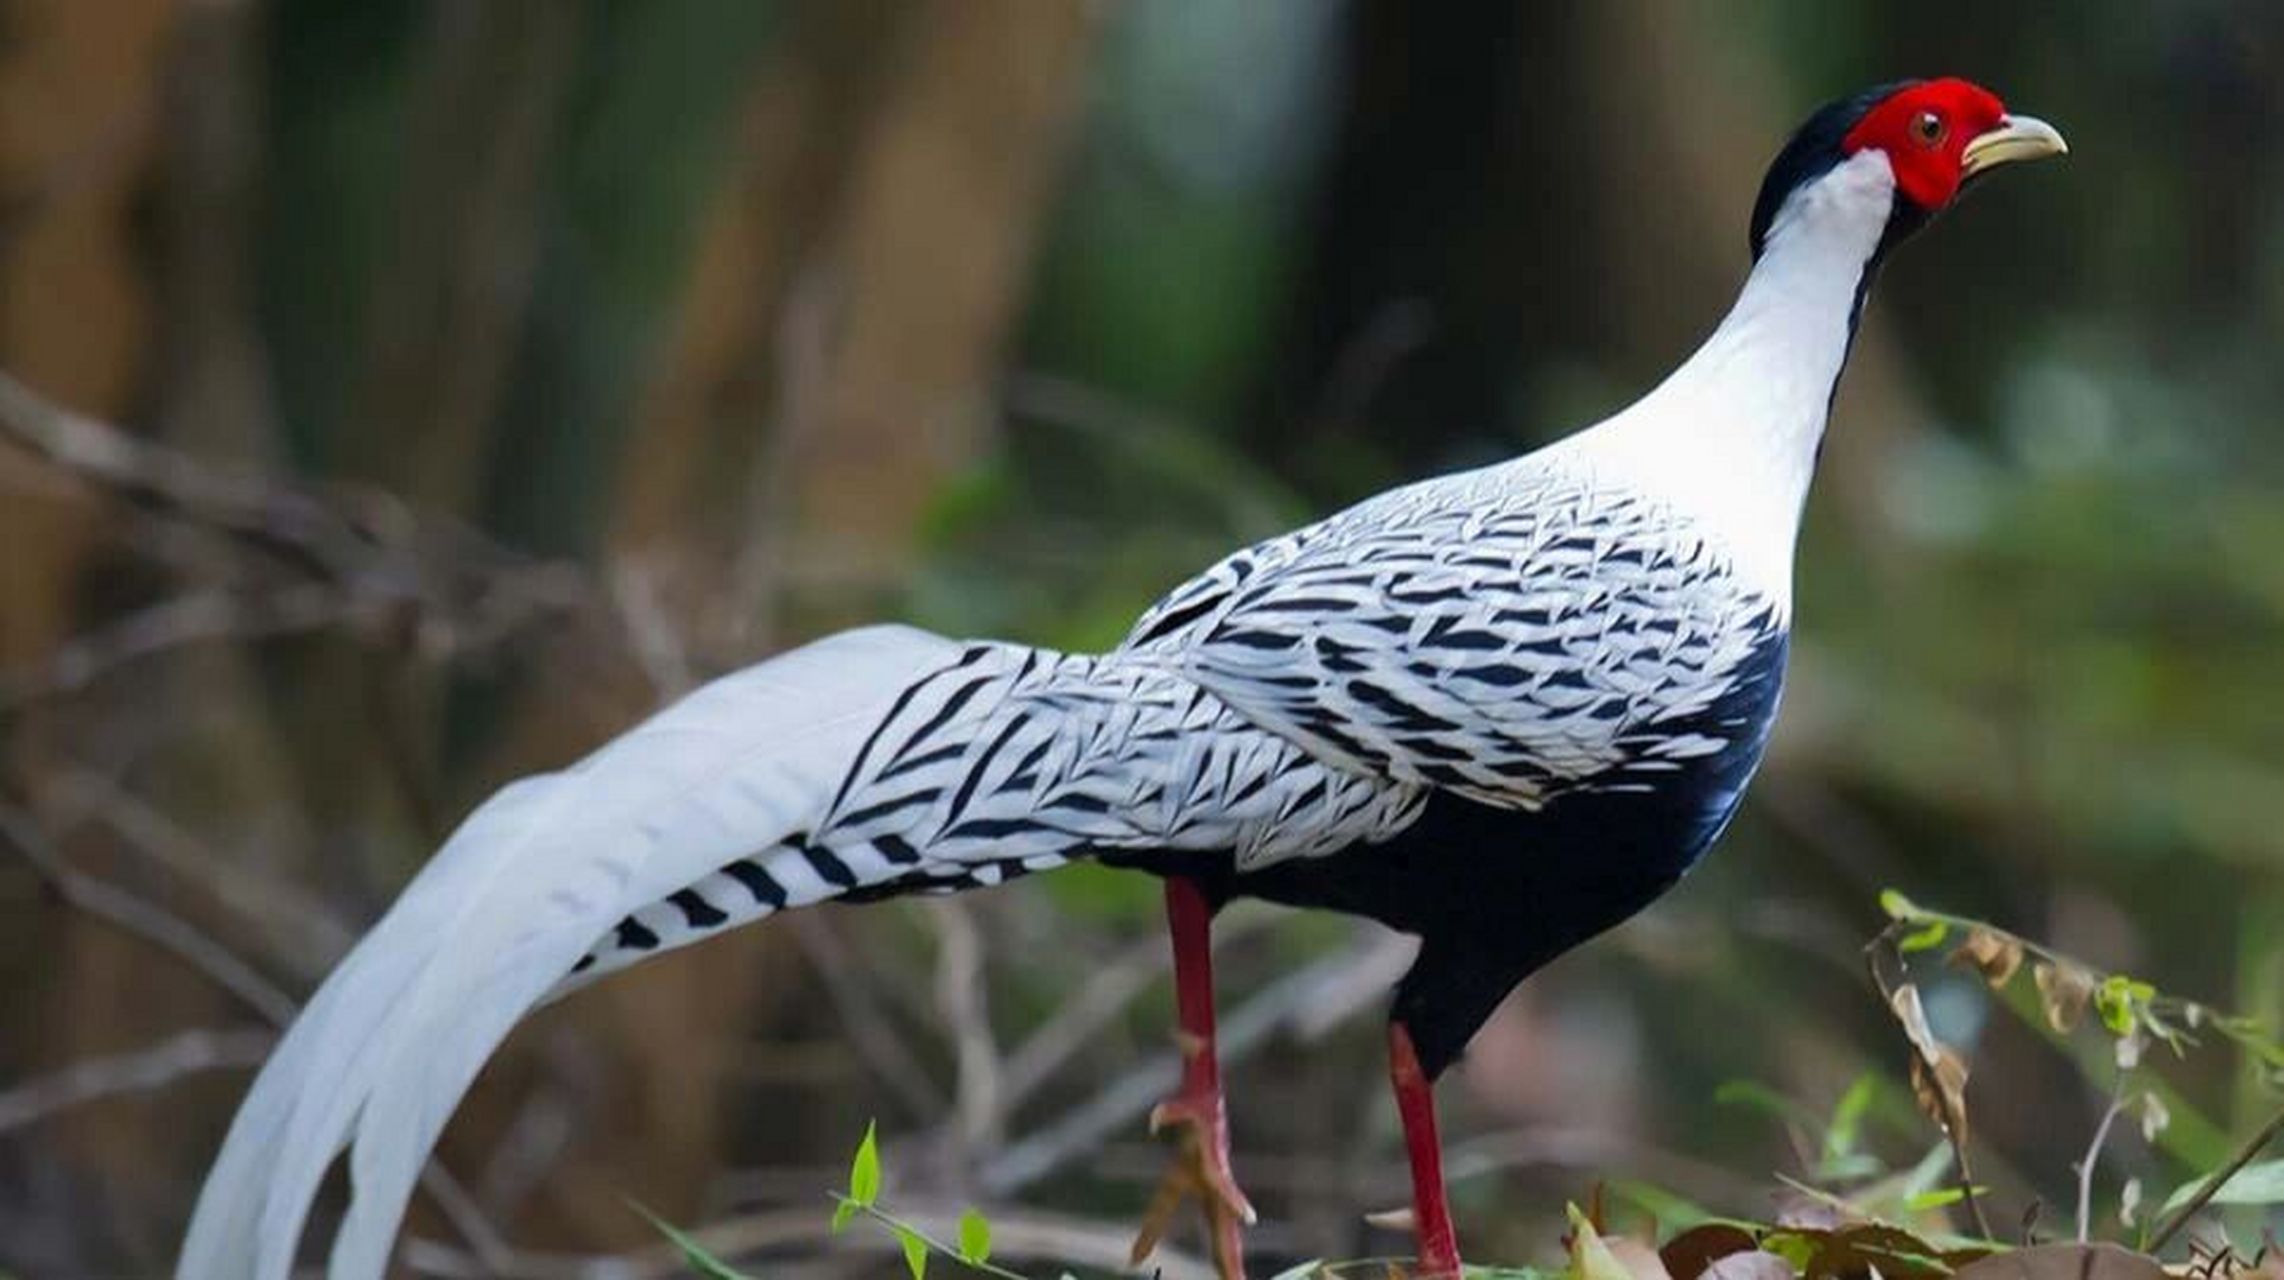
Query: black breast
x=1496, y=893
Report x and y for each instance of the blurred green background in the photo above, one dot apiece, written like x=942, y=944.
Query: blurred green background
x=1001, y=317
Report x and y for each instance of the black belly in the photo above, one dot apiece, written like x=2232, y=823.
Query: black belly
x=1495, y=893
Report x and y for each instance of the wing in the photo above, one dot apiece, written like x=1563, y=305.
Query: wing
x=1205, y=597
x=1507, y=634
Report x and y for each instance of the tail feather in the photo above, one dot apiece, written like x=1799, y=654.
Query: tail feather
x=874, y=763
x=529, y=883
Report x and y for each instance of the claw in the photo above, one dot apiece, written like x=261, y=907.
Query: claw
x=1205, y=1148
x=1201, y=1168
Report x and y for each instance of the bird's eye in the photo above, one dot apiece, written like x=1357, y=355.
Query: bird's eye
x=1927, y=129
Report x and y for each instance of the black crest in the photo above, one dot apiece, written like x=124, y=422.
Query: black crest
x=1813, y=152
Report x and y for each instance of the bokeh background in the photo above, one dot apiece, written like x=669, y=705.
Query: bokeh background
x=537, y=358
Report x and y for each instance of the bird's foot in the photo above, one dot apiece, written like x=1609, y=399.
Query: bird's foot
x=1201, y=1168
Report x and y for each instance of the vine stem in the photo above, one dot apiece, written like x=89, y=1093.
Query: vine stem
x=901, y=1227
x=2093, y=1157
x=2212, y=1185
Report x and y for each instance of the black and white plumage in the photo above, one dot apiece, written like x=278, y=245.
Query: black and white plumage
x=1502, y=710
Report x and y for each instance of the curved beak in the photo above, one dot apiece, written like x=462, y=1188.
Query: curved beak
x=2016, y=138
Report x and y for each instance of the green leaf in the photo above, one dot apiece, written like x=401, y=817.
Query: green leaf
x=1899, y=907
x=864, y=1171
x=1847, y=1126
x=1939, y=1198
x=1928, y=1172
x=915, y=1250
x=843, y=1212
x=2261, y=1182
x=1671, y=1211
x=1927, y=937
x=1755, y=1096
x=1852, y=1167
x=1791, y=1246
x=701, y=1261
x=2113, y=1000
x=975, y=1238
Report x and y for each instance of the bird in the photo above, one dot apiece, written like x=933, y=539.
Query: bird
x=1502, y=710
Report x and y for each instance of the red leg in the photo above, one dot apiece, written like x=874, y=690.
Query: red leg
x=1415, y=1102
x=1203, y=1166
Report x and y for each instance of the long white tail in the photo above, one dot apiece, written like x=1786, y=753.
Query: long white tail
x=522, y=892
x=876, y=762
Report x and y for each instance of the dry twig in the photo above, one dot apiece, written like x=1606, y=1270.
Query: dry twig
x=223, y=967
x=2093, y=1157
x=357, y=558
x=978, y=1102
x=877, y=1040
x=1317, y=995
x=146, y=920
x=141, y=1071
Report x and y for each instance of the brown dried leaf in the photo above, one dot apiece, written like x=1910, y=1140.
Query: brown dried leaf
x=1940, y=1085
x=2063, y=991
x=1938, y=1073
x=1913, y=1015
x=1995, y=955
x=1687, y=1255
x=2064, y=1262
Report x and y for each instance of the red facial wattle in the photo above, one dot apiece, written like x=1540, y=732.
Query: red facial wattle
x=1924, y=130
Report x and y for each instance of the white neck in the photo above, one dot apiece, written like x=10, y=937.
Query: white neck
x=1731, y=436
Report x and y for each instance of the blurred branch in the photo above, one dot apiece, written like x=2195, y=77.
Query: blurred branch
x=354, y=556
x=1114, y=985
x=654, y=638
x=803, y=347
x=190, y=618
x=877, y=1040
x=218, y=964
x=540, y=1132
x=142, y=1071
x=146, y=920
x=290, y=523
x=267, y=902
x=1307, y=1000
x=979, y=1090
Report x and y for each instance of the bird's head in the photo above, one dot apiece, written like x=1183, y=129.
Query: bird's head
x=1914, y=144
